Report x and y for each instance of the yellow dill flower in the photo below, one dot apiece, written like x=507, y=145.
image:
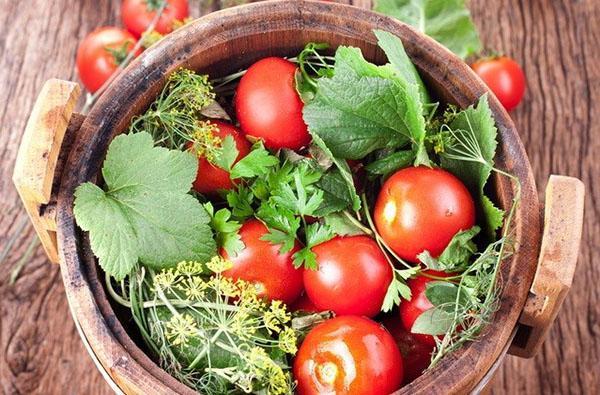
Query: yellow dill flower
x=287, y=341
x=179, y=23
x=224, y=286
x=151, y=38
x=180, y=328
x=194, y=287
x=276, y=316
x=218, y=264
x=164, y=280
x=189, y=268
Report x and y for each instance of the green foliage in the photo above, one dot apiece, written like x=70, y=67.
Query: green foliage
x=447, y=21
x=145, y=213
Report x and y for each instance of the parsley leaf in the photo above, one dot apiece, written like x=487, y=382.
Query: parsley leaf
x=315, y=234
x=364, y=107
x=456, y=255
x=398, y=289
x=282, y=224
x=226, y=154
x=255, y=164
x=226, y=230
x=341, y=225
x=447, y=21
x=240, y=200
x=146, y=213
x=297, y=199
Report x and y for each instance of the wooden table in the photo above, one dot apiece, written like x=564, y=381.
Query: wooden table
x=555, y=41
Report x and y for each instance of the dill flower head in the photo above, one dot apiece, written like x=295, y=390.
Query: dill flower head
x=180, y=328
x=218, y=264
x=204, y=142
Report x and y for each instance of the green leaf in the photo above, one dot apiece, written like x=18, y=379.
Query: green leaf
x=341, y=225
x=146, y=213
x=470, y=155
x=447, y=21
x=344, y=170
x=298, y=200
x=456, y=255
x=391, y=163
x=282, y=224
x=365, y=107
x=336, y=196
x=315, y=234
x=255, y=164
x=394, y=50
x=226, y=154
x=226, y=230
x=443, y=295
x=240, y=200
x=434, y=321
x=398, y=289
x=493, y=214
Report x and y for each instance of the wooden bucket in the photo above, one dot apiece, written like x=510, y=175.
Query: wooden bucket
x=62, y=149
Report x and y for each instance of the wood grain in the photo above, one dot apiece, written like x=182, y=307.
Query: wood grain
x=555, y=41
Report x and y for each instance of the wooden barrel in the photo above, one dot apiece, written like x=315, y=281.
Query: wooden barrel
x=61, y=150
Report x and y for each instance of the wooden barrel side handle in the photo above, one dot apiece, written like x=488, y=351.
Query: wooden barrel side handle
x=38, y=164
x=563, y=221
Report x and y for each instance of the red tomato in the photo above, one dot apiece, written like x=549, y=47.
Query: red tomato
x=261, y=263
x=348, y=356
x=411, y=309
x=96, y=60
x=137, y=15
x=420, y=209
x=210, y=178
x=416, y=356
x=303, y=303
x=269, y=107
x=352, y=279
x=504, y=77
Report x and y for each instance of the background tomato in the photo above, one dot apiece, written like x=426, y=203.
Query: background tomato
x=348, y=356
x=504, y=77
x=211, y=178
x=268, y=105
x=419, y=208
x=261, y=263
x=411, y=309
x=352, y=278
x=416, y=356
x=137, y=15
x=100, y=54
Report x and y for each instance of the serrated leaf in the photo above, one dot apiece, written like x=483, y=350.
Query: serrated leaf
x=397, y=290
x=457, y=254
x=226, y=154
x=447, y=21
x=305, y=257
x=394, y=50
x=391, y=163
x=226, y=230
x=255, y=164
x=147, y=205
x=317, y=233
x=434, y=321
x=285, y=240
x=364, y=107
x=240, y=200
x=493, y=214
x=336, y=195
x=341, y=225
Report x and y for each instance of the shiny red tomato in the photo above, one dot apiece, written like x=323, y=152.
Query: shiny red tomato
x=411, y=309
x=416, y=356
x=348, y=355
x=210, y=178
x=268, y=106
x=352, y=278
x=261, y=263
x=137, y=15
x=504, y=77
x=100, y=54
x=419, y=208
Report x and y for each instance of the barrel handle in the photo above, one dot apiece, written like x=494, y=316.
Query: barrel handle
x=563, y=221
x=38, y=160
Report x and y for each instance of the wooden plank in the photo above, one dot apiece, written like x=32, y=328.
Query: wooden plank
x=555, y=41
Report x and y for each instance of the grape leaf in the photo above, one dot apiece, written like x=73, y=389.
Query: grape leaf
x=447, y=21
x=364, y=107
x=145, y=213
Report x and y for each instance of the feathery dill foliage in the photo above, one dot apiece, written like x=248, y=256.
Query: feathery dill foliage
x=174, y=117
x=211, y=332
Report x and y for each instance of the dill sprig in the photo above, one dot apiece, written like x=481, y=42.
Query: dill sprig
x=175, y=115
x=209, y=331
